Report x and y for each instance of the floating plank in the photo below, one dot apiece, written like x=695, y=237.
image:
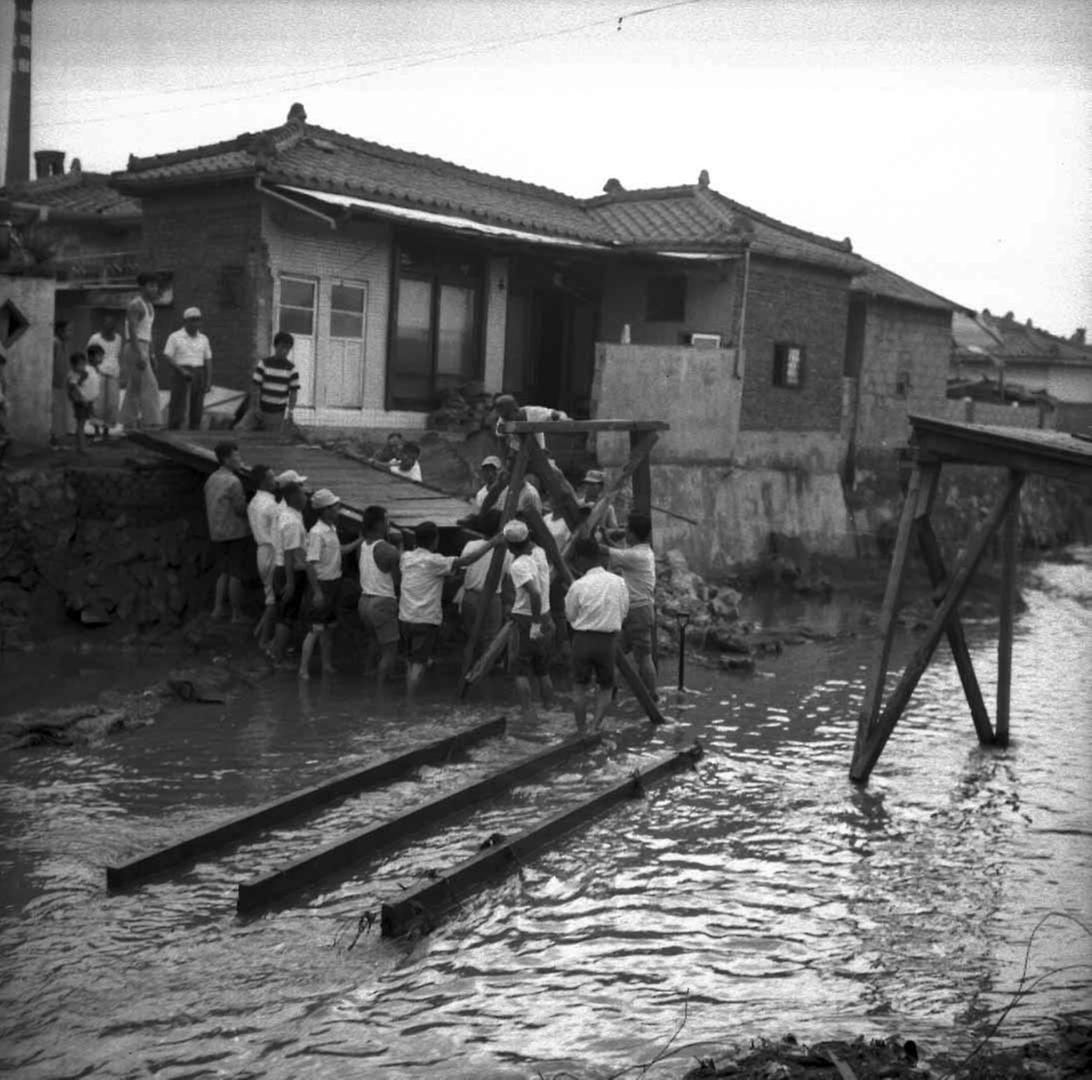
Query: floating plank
x=273, y=813
x=337, y=856
x=574, y=427
x=422, y=907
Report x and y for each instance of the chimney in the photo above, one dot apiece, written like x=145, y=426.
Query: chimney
x=48, y=163
x=1078, y=337
x=613, y=186
x=17, y=168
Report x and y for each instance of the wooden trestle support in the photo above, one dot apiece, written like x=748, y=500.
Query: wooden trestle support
x=934, y=443
x=530, y=457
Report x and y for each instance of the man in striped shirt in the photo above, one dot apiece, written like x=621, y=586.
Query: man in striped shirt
x=276, y=384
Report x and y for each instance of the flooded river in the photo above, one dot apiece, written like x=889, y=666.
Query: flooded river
x=762, y=893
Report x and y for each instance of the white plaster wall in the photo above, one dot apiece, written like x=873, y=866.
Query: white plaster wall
x=29, y=370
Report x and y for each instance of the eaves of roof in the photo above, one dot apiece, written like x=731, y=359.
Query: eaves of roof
x=880, y=282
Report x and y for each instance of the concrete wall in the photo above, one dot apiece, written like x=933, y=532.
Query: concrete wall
x=29, y=370
x=712, y=302
x=970, y=411
x=897, y=339
x=806, y=306
x=694, y=390
x=211, y=238
x=1070, y=383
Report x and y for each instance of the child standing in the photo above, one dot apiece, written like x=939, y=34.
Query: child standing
x=82, y=387
x=407, y=465
x=94, y=367
x=324, y=550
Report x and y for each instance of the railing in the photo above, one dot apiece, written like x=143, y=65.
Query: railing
x=99, y=268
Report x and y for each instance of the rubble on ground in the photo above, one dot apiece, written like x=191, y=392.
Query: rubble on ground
x=465, y=408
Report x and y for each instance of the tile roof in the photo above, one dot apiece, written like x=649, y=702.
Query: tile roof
x=78, y=194
x=308, y=156
x=988, y=337
x=879, y=281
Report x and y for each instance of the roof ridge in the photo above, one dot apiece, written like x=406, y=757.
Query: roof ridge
x=825, y=241
x=636, y=195
x=174, y=157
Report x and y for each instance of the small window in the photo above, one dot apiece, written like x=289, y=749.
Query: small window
x=902, y=384
x=665, y=298
x=788, y=368
x=297, y=307
x=13, y=324
x=346, y=311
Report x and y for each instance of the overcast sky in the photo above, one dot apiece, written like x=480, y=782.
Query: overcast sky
x=950, y=139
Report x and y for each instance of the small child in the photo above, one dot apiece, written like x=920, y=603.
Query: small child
x=95, y=355
x=5, y=439
x=408, y=466
x=82, y=387
x=392, y=451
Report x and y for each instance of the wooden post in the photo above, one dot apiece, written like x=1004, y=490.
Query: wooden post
x=957, y=641
x=559, y=490
x=866, y=757
x=874, y=687
x=642, y=477
x=1010, y=537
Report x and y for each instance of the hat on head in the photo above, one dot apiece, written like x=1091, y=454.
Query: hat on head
x=515, y=532
x=324, y=498
x=192, y=313
x=493, y=460
x=594, y=476
x=290, y=476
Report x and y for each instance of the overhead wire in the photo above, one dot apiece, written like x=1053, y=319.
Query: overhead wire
x=405, y=64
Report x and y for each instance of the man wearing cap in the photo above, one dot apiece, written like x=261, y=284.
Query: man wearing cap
x=261, y=513
x=491, y=469
x=324, y=550
x=229, y=530
x=420, y=607
x=190, y=356
x=595, y=607
x=379, y=578
x=530, y=576
x=591, y=490
x=289, y=558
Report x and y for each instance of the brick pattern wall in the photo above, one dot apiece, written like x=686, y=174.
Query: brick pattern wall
x=210, y=237
x=806, y=306
x=900, y=340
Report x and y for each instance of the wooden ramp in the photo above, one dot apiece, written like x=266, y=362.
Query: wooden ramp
x=933, y=444
x=356, y=483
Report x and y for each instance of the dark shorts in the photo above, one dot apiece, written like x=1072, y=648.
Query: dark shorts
x=232, y=557
x=288, y=611
x=420, y=639
x=379, y=614
x=83, y=410
x=527, y=657
x=468, y=612
x=593, y=657
x=324, y=614
x=637, y=631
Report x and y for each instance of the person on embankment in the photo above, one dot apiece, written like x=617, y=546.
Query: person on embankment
x=140, y=407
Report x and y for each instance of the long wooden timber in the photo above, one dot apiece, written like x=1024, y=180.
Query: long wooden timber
x=335, y=857
x=421, y=908
x=298, y=802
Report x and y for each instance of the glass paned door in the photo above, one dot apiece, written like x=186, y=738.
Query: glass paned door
x=341, y=365
x=456, y=347
x=411, y=373
x=296, y=314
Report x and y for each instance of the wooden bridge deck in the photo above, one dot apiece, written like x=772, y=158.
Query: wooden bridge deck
x=356, y=483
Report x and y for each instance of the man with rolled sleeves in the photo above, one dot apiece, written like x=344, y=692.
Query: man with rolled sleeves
x=190, y=357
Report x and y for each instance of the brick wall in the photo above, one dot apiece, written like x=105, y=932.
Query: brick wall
x=210, y=237
x=806, y=306
x=899, y=340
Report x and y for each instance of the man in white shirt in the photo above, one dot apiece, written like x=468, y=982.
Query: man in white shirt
x=190, y=356
x=472, y=596
x=595, y=606
x=529, y=656
x=261, y=512
x=420, y=607
x=408, y=466
x=289, y=559
x=491, y=468
x=109, y=340
x=637, y=565
x=507, y=408
x=379, y=579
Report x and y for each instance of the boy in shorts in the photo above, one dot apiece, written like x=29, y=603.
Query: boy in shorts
x=82, y=387
x=324, y=550
x=534, y=629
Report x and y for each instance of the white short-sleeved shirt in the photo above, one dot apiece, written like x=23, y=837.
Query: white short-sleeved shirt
x=262, y=513
x=288, y=533
x=111, y=353
x=597, y=602
x=413, y=473
x=528, y=497
x=477, y=572
x=90, y=387
x=324, y=550
x=423, y=574
x=637, y=565
x=186, y=351
x=532, y=567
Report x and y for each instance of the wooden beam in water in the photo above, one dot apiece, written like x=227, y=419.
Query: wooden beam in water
x=575, y=427
x=1010, y=536
x=339, y=855
x=424, y=906
x=865, y=758
x=298, y=802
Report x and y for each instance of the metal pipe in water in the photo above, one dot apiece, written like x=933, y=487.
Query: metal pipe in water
x=682, y=618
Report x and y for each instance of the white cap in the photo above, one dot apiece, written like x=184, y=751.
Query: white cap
x=594, y=476
x=192, y=313
x=493, y=460
x=323, y=498
x=289, y=476
x=515, y=532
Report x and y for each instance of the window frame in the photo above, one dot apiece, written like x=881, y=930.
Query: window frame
x=299, y=279
x=437, y=257
x=782, y=349
x=659, y=312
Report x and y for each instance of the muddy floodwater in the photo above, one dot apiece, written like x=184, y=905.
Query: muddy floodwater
x=763, y=892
